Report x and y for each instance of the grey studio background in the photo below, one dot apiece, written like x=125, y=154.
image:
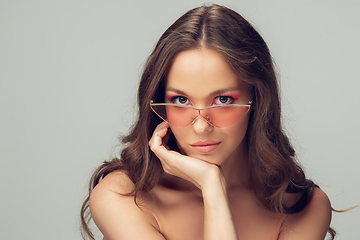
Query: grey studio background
x=68, y=76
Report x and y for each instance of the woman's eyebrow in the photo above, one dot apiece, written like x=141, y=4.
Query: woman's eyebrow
x=176, y=90
x=220, y=91
x=217, y=92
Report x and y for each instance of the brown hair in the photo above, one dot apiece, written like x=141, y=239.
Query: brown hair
x=274, y=170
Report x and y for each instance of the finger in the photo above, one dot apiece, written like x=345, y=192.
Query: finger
x=162, y=125
x=159, y=129
x=166, y=138
x=159, y=138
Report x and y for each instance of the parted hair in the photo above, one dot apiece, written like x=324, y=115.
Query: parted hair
x=273, y=167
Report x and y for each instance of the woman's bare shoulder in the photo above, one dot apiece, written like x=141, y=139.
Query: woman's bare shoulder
x=312, y=222
x=117, y=182
x=115, y=212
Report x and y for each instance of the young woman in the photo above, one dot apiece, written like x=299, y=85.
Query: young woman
x=207, y=157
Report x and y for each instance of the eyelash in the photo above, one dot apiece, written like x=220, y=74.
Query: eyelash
x=175, y=98
x=228, y=98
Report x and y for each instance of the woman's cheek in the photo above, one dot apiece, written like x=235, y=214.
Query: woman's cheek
x=179, y=138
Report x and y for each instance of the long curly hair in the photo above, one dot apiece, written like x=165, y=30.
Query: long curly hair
x=273, y=169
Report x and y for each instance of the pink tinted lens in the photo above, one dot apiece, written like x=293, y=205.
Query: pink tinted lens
x=181, y=116
x=224, y=116
x=175, y=115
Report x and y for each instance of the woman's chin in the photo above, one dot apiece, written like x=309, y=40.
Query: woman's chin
x=209, y=158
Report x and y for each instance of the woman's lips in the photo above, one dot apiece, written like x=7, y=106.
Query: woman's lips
x=205, y=146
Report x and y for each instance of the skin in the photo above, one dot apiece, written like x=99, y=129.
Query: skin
x=202, y=195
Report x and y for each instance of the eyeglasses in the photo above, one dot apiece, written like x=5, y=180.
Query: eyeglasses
x=218, y=116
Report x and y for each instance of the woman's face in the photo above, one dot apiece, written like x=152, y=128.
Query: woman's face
x=201, y=78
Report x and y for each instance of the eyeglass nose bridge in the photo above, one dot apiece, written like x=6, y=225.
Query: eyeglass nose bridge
x=207, y=118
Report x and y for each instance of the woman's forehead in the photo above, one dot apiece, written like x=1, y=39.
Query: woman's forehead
x=204, y=72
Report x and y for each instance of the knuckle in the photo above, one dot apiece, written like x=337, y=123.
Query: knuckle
x=151, y=145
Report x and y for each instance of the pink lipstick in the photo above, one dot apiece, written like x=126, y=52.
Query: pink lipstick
x=205, y=146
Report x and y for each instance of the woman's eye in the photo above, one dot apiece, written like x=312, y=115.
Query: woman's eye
x=223, y=100
x=181, y=100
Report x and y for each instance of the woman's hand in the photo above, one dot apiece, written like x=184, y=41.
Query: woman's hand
x=191, y=169
x=208, y=177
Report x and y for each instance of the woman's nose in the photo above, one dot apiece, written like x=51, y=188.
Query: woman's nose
x=201, y=125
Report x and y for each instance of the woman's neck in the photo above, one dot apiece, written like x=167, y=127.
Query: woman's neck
x=236, y=168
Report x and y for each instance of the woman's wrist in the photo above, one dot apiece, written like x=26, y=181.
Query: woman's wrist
x=214, y=184
x=218, y=220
